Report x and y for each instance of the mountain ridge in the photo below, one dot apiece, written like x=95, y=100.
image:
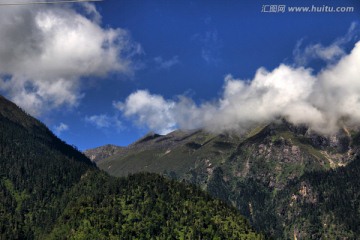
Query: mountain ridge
x=269, y=165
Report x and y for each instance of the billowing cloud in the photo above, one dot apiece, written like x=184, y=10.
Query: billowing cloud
x=324, y=101
x=45, y=51
x=149, y=110
x=62, y=127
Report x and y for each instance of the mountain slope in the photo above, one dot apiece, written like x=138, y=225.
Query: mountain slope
x=49, y=190
x=175, y=152
x=323, y=204
x=102, y=152
x=36, y=169
x=147, y=206
x=253, y=172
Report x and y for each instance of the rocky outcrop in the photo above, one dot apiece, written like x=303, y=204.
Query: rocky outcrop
x=103, y=152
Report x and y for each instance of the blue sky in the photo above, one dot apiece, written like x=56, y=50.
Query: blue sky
x=151, y=55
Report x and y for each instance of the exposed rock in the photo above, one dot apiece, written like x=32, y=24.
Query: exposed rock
x=100, y=153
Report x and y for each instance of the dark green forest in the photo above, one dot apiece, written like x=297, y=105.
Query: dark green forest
x=49, y=190
x=147, y=206
x=36, y=171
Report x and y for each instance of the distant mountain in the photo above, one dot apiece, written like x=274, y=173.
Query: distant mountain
x=291, y=182
x=103, y=152
x=49, y=190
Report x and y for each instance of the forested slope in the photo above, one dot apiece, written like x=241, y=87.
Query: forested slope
x=147, y=206
x=49, y=190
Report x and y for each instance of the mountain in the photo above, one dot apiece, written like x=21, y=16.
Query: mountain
x=103, y=152
x=291, y=182
x=49, y=190
x=37, y=168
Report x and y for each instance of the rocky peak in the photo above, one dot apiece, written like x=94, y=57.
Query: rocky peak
x=100, y=153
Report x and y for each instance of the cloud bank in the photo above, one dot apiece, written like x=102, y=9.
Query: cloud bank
x=45, y=51
x=324, y=101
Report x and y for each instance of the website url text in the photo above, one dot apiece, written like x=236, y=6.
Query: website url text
x=308, y=9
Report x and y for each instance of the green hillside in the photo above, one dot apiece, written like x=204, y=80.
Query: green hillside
x=37, y=168
x=49, y=190
x=147, y=206
x=260, y=173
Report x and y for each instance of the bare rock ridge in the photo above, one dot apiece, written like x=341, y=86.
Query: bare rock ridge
x=99, y=153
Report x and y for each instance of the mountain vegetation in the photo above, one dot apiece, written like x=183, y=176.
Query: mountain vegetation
x=289, y=181
x=147, y=206
x=37, y=168
x=49, y=190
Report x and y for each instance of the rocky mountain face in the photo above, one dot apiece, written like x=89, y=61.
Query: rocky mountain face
x=49, y=190
x=99, y=153
x=290, y=181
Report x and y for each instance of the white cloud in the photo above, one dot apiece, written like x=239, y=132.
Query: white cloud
x=317, y=51
x=46, y=50
x=100, y=121
x=211, y=46
x=149, y=110
x=166, y=64
x=324, y=101
x=91, y=11
x=103, y=121
x=62, y=127
x=210, y=51
x=329, y=54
